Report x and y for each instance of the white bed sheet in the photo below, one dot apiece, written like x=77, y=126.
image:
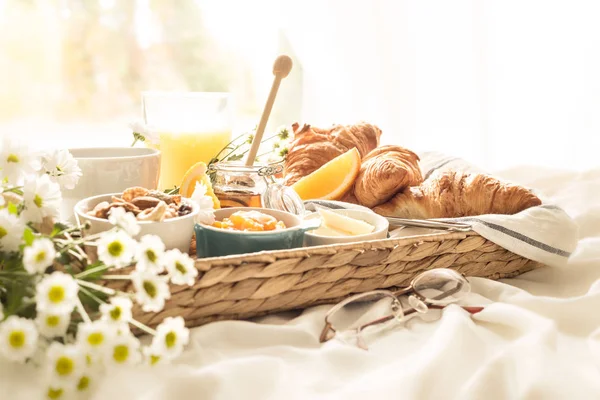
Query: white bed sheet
x=539, y=337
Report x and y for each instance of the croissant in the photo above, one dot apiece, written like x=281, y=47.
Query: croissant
x=384, y=172
x=458, y=194
x=312, y=147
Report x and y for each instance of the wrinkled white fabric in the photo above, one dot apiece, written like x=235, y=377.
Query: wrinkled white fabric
x=538, y=338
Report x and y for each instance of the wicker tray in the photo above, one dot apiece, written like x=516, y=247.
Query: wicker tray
x=251, y=285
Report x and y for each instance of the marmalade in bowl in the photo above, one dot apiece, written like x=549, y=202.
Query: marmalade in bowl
x=250, y=221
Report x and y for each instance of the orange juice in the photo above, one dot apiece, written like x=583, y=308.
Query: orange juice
x=181, y=150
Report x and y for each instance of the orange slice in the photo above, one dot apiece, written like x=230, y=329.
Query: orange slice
x=332, y=180
x=197, y=173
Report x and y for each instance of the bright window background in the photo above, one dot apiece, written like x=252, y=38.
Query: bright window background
x=500, y=83
x=73, y=70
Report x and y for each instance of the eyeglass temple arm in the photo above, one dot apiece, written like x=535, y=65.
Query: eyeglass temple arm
x=470, y=310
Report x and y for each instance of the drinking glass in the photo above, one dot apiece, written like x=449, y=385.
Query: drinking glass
x=351, y=319
x=191, y=126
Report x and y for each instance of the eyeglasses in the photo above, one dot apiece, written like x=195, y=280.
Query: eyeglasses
x=434, y=288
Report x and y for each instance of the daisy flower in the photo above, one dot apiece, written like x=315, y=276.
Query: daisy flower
x=116, y=249
x=124, y=349
x=180, y=267
x=149, y=254
x=42, y=198
x=65, y=362
x=151, y=290
x=56, y=293
x=95, y=336
x=144, y=132
x=124, y=220
x=171, y=337
x=206, y=215
x=11, y=231
x=18, y=338
x=39, y=256
x=57, y=390
x=62, y=168
x=118, y=311
x=153, y=356
x=52, y=325
x=16, y=161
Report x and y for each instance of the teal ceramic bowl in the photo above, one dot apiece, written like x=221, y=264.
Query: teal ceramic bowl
x=216, y=242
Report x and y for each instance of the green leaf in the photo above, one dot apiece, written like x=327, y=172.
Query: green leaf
x=94, y=275
x=235, y=157
x=28, y=236
x=13, y=208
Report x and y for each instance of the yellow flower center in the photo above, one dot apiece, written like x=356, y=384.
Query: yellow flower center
x=12, y=158
x=64, y=366
x=83, y=383
x=180, y=267
x=151, y=255
x=41, y=256
x=16, y=339
x=52, y=320
x=170, y=339
x=115, y=313
x=121, y=353
x=154, y=359
x=3, y=232
x=150, y=289
x=115, y=248
x=95, y=338
x=38, y=201
x=56, y=294
x=55, y=393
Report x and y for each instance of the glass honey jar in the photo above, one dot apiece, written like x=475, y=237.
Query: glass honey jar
x=238, y=185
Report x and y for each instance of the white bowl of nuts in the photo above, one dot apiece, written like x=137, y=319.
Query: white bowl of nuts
x=171, y=217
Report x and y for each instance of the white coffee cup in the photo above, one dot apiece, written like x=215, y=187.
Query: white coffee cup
x=110, y=170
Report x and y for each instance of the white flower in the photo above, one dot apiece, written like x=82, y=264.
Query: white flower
x=116, y=249
x=65, y=362
x=148, y=132
x=150, y=251
x=11, y=231
x=123, y=350
x=18, y=338
x=42, y=198
x=52, y=325
x=124, y=220
x=206, y=215
x=153, y=356
x=95, y=336
x=16, y=161
x=58, y=390
x=62, y=168
x=171, y=337
x=151, y=290
x=56, y=293
x=180, y=267
x=118, y=311
x=39, y=256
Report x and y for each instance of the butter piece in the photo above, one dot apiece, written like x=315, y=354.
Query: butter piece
x=325, y=230
x=342, y=223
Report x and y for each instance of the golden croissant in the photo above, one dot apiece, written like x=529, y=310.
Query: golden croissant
x=312, y=147
x=384, y=172
x=456, y=194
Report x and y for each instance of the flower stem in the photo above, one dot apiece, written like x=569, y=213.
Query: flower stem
x=91, y=295
x=102, y=289
x=143, y=327
x=82, y=312
x=117, y=277
x=91, y=271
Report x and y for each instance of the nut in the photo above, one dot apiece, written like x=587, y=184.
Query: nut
x=129, y=207
x=144, y=202
x=100, y=210
x=154, y=214
x=133, y=192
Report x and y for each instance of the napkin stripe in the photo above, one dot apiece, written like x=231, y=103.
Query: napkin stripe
x=440, y=165
x=519, y=236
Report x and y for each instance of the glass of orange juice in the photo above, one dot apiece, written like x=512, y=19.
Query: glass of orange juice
x=192, y=127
